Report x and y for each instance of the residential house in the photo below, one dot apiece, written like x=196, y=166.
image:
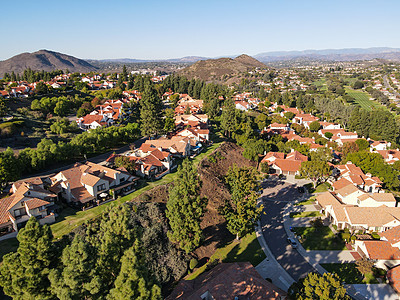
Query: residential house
x=94, y=121
x=350, y=173
x=379, y=145
x=29, y=198
x=280, y=163
x=340, y=136
x=238, y=280
x=243, y=105
x=370, y=213
x=304, y=119
x=85, y=184
x=177, y=145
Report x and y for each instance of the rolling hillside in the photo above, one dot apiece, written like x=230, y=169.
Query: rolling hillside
x=215, y=69
x=44, y=60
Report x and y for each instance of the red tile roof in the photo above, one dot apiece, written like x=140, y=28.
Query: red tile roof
x=382, y=250
x=392, y=235
x=227, y=281
x=393, y=276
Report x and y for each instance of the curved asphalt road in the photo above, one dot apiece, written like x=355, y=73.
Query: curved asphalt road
x=275, y=197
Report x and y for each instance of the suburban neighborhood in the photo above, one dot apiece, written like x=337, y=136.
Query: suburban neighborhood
x=256, y=158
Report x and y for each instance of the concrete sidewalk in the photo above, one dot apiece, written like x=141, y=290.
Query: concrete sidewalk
x=375, y=291
x=329, y=256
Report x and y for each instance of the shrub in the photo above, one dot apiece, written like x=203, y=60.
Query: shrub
x=317, y=222
x=265, y=167
x=193, y=263
x=375, y=236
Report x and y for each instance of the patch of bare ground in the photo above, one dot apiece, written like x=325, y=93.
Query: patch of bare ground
x=157, y=194
x=212, y=173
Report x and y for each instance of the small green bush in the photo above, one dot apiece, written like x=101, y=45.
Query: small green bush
x=375, y=236
x=193, y=263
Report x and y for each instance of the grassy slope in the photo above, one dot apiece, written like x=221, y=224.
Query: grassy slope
x=319, y=238
x=363, y=99
x=348, y=273
x=247, y=249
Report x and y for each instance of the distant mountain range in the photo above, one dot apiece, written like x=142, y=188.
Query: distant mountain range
x=44, y=60
x=347, y=54
x=50, y=60
x=332, y=54
x=186, y=59
x=214, y=69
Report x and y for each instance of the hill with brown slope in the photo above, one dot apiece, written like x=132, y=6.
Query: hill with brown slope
x=212, y=175
x=44, y=60
x=215, y=69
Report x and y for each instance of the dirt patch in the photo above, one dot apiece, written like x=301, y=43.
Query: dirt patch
x=157, y=194
x=212, y=172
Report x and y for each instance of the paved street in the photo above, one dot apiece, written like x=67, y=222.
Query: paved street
x=275, y=197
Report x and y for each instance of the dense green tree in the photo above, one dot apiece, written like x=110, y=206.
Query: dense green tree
x=317, y=171
x=77, y=278
x=228, y=118
x=185, y=208
x=151, y=122
x=362, y=144
x=3, y=108
x=373, y=163
x=124, y=74
x=254, y=148
x=314, y=126
x=24, y=274
x=125, y=162
x=242, y=212
x=41, y=88
x=318, y=287
x=358, y=85
x=169, y=123
x=9, y=167
x=133, y=281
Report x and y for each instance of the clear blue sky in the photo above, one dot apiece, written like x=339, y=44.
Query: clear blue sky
x=170, y=29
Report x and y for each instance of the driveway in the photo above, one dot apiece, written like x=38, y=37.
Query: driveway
x=275, y=196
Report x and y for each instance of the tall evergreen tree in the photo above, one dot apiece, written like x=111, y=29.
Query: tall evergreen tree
x=24, y=274
x=77, y=278
x=228, y=118
x=242, y=213
x=124, y=74
x=151, y=122
x=133, y=281
x=185, y=208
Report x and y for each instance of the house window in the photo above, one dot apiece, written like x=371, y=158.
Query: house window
x=19, y=212
x=101, y=187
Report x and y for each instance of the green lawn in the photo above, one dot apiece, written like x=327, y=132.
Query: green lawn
x=348, y=273
x=362, y=99
x=306, y=202
x=323, y=187
x=305, y=214
x=7, y=246
x=70, y=218
x=247, y=249
x=319, y=238
x=321, y=84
